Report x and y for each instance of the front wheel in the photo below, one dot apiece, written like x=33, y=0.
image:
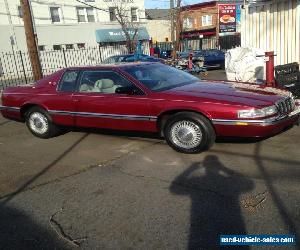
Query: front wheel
x=39, y=123
x=189, y=132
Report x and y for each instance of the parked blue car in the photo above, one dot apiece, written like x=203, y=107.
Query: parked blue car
x=130, y=58
x=212, y=57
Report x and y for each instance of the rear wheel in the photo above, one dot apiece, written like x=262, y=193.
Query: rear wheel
x=40, y=124
x=189, y=132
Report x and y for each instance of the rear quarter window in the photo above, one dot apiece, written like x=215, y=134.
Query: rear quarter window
x=68, y=81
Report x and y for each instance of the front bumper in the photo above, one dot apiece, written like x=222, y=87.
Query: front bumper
x=256, y=128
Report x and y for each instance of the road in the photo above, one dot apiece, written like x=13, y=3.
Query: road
x=108, y=190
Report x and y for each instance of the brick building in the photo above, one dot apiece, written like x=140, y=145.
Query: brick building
x=198, y=26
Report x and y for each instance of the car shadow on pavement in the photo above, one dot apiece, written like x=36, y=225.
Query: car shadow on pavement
x=19, y=231
x=247, y=140
x=121, y=133
x=215, y=208
x=155, y=135
x=239, y=140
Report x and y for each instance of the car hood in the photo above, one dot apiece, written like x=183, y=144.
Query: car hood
x=231, y=92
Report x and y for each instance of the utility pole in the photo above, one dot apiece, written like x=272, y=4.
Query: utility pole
x=172, y=21
x=31, y=41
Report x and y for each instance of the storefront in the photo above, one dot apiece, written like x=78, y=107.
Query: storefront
x=198, y=39
x=113, y=41
x=105, y=37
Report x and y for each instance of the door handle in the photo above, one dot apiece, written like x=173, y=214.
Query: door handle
x=75, y=100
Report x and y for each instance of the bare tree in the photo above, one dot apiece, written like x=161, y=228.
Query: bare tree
x=182, y=16
x=179, y=24
x=129, y=24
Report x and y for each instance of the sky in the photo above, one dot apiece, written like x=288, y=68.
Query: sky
x=151, y=4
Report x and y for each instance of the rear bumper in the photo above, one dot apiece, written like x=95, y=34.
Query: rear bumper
x=10, y=112
x=9, y=108
x=255, y=128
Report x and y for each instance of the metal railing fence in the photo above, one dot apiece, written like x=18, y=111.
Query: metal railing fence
x=15, y=66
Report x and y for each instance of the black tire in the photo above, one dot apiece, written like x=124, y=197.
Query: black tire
x=197, y=123
x=222, y=65
x=40, y=124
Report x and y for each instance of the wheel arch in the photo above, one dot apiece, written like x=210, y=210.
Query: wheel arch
x=25, y=107
x=163, y=117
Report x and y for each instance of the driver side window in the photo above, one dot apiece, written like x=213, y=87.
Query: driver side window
x=104, y=82
x=68, y=81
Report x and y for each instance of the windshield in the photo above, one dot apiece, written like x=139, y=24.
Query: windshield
x=159, y=77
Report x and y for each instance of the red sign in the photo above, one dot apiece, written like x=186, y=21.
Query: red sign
x=227, y=18
x=198, y=33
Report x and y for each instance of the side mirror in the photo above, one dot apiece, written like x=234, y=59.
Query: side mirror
x=126, y=90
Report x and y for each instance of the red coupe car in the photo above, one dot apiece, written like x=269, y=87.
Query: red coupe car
x=151, y=97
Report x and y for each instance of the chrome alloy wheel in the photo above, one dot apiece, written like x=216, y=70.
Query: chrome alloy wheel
x=38, y=123
x=186, y=134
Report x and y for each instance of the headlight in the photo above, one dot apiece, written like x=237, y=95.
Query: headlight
x=257, y=113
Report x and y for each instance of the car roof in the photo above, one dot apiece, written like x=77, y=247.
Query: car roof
x=110, y=66
x=126, y=55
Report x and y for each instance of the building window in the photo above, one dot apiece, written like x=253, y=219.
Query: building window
x=188, y=23
x=54, y=12
x=69, y=46
x=85, y=14
x=41, y=47
x=134, y=15
x=81, y=15
x=207, y=20
x=112, y=14
x=20, y=11
x=80, y=45
x=57, y=47
x=90, y=15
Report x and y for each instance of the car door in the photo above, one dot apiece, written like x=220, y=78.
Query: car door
x=61, y=104
x=98, y=104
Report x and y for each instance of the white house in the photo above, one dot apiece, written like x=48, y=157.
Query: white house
x=61, y=24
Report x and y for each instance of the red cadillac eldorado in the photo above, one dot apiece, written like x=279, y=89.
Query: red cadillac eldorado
x=189, y=113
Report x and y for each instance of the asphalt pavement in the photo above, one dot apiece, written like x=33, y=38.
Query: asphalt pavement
x=213, y=75
x=93, y=189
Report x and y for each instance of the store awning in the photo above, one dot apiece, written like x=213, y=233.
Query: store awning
x=117, y=35
x=198, y=33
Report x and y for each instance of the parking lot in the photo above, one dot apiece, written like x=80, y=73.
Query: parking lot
x=93, y=189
